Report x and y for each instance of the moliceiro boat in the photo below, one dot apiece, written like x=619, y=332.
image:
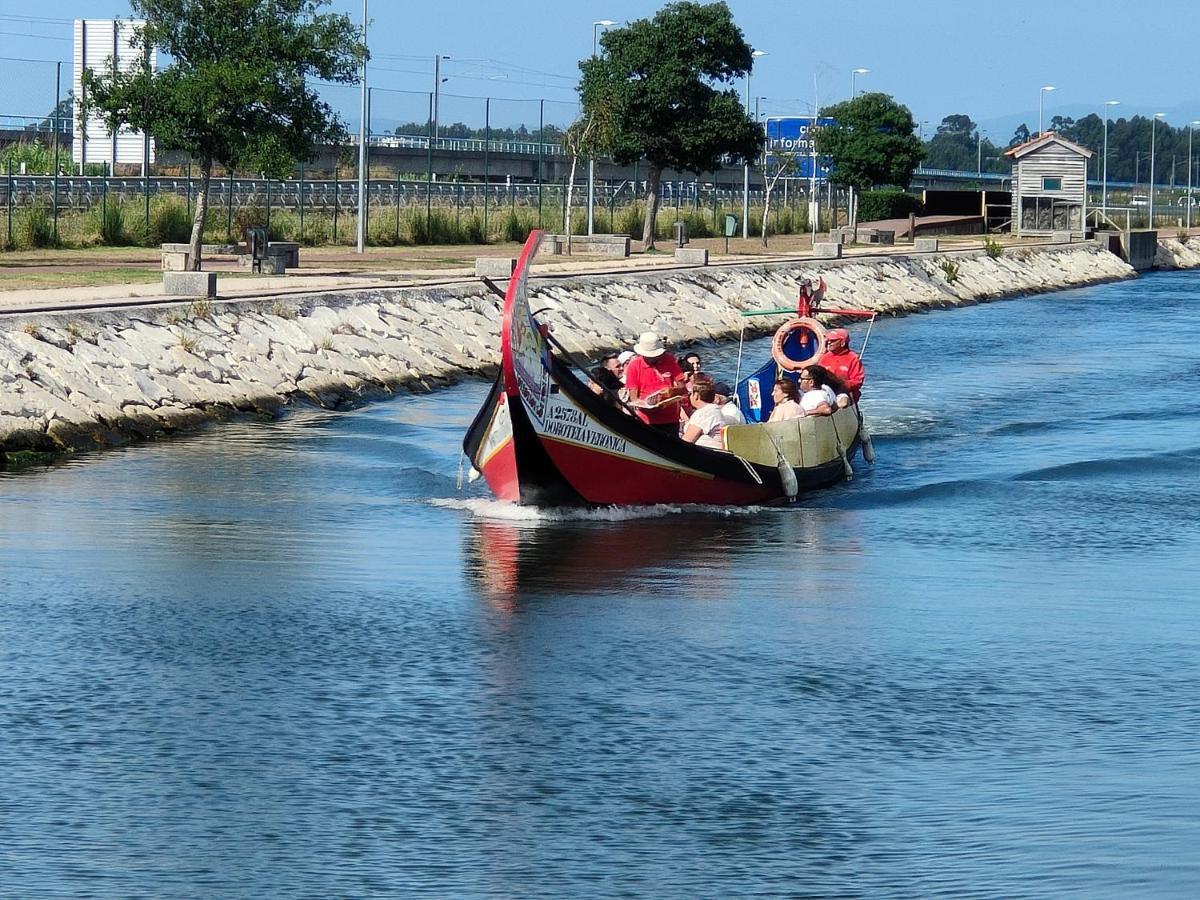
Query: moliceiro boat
x=543, y=437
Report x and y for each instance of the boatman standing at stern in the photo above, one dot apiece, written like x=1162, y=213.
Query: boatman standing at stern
x=843, y=362
x=653, y=379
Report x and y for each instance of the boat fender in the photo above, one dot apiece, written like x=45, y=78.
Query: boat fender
x=842, y=452
x=787, y=475
x=803, y=323
x=868, y=448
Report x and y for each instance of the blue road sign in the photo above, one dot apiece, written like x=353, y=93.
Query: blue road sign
x=794, y=134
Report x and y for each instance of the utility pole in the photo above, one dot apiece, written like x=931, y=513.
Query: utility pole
x=362, y=146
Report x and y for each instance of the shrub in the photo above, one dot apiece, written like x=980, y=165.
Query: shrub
x=169, y=221
x=631, y=220
x=949, y=268
x=1182, y=237
x=35, y=229
x=887, y=204
x=993, y=248
x=108, y=221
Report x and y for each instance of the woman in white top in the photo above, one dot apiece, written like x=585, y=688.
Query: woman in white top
x=786, y=398
x=704, y=426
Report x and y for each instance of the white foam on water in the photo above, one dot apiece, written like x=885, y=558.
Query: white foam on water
x=505, y=511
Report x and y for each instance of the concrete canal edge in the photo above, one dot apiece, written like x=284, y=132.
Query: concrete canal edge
x=76, y=380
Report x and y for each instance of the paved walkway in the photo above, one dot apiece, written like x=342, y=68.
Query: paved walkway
x=308, y=280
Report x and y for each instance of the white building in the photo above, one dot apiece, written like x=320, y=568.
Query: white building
x=97, y=43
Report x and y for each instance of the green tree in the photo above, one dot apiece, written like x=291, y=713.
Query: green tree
x=663, y=83
x=871, y=142
x=236, y=91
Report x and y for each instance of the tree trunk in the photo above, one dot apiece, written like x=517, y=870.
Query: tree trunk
x=197, y=240
x=567, y=205
x=766, y=213
x=653, y=177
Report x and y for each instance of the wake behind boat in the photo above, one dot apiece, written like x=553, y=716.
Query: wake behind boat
x=544, y=437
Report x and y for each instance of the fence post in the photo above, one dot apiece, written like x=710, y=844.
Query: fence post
x=268, y=207
x=10, y=202
x=146, y=178
x=189, y=188
x=487, y=161
x=229, y=209
x=335, y=200
x=57, y=124
x=104, y=203
x=541, y=150
x=397, y=202
x=300, y=203
x=429, y=176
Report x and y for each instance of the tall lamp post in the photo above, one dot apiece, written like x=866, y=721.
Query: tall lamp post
x=437, y=90
x=1104, y=177
x=746, y=168
x=591, y=206
x=362, y=147
x=854, y=73
x=1042, y=107
x=1191, y=129
x=1153, y=123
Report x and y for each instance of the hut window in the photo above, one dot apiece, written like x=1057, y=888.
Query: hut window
x=1051, y=184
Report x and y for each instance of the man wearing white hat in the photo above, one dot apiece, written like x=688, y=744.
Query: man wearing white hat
x=653, y=380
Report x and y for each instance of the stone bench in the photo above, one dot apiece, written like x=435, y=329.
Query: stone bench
x=274, y=263
x=178, y=257
x=827, y=251
x=691, y=257
x=925, y=245
x=290, y=250
x=598, y=244
x=494, y=267
x=190, y=284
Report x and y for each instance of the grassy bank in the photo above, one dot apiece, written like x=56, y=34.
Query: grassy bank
x=122, y=222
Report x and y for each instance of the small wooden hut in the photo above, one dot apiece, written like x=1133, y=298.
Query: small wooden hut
x=1049, y=186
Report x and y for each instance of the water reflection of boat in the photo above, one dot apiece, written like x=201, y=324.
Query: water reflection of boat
x=556, y=558
x=544, y=438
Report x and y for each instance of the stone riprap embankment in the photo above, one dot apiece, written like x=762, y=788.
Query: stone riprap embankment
x=75, y=380
x=1176, y=254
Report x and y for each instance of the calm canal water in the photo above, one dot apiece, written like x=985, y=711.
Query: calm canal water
x=289, y=659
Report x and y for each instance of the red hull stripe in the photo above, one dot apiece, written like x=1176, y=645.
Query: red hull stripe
x=606, y=478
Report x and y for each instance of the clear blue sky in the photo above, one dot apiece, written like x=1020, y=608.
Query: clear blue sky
x=986, y=59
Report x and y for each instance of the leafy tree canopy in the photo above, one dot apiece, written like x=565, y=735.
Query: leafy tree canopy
x=661, y=91
x=663, y=75
x=872, y=142
x=958, y=145
x=236, y=88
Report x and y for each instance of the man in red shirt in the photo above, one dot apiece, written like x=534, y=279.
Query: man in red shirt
x=650, y=378
x=843, y=362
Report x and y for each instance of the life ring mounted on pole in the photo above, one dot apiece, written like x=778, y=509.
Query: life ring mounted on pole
x=798, y=343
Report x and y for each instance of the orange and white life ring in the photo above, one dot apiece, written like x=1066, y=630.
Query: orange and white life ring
x=802, y=324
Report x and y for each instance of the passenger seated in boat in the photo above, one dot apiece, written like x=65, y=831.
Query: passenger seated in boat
x=786, y=396
x=705, y=425
x=606, y=380
x=843, y=362
x=817, y=398
x=730, y=410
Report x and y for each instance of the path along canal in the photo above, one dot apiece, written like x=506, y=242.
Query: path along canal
x=289, y=659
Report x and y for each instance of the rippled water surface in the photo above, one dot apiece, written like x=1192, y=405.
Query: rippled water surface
x=290, y=659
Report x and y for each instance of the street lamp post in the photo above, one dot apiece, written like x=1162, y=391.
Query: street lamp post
x=1104, y=177
x=1042, y=106
x=1191, y=130
x=437, y=90
x=1153, y=123
x=854, y=73
x=591, y=203
x=757, y=54
x=362, y=147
